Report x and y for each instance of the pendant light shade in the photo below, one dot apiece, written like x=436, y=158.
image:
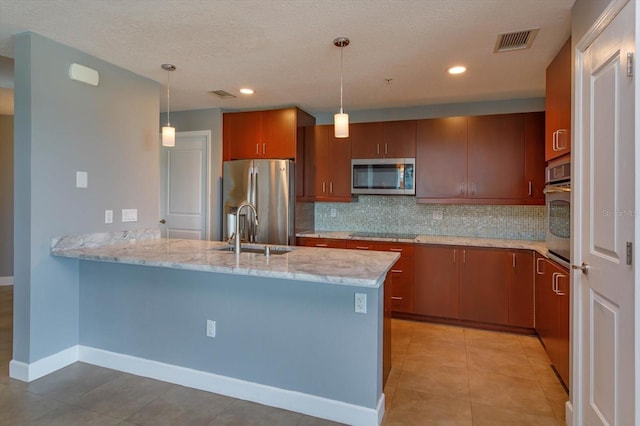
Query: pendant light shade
x=168, y=132
x=341, y=120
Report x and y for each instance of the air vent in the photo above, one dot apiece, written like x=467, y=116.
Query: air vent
x=223, y=94
x=515, y=41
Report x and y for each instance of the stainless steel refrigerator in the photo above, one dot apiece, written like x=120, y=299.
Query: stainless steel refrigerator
x=269, y=186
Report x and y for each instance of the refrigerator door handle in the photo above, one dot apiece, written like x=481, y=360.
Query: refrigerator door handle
x=254, y=196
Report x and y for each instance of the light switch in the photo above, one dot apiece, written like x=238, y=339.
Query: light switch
x=129, y=215
x=82, y=179
x=108, y=216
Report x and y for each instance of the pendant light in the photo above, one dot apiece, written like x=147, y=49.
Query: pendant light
x=341, y=120
x=168, y=132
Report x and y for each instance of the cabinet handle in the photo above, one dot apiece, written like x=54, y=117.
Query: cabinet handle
x=530, y=189
x=324, y=187
x=538, y=270
x=396, y=249
x=264, y=148
x=330, y=187
x=513, y=255
x=397, y=271
x=322, y=245
x=362, y=247
x=554, y=282
x=473, y=188
x=385, y=149
x=558, y=292
x=454, y=256
x=464, y=256
x=378, y=149
x=396, y=298
x=563, y=146
x=461, y=188
x=257, y=149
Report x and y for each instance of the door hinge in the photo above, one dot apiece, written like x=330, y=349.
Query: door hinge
x=629, y=64
x=629, y=252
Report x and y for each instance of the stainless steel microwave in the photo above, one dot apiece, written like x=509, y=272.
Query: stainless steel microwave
x=384, y=176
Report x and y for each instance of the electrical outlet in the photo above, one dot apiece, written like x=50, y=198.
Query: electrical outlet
x=211, y=328
x=108, y=216
x=361, y=303
x=334, y=213
x=437, y=215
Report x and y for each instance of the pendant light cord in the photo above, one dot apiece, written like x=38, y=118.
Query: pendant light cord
x=341, y=72
x=168, y=98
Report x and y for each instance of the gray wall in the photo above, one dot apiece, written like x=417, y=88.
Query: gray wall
x=294, y=335
x=442, y=110
x=63, y=126
x=6, y=195
x=206, y=119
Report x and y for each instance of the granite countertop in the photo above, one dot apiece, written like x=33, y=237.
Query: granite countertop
x=538, y=246
x=335, y=266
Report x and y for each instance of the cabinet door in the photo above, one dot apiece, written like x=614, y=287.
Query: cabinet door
x=399, y=139
x=315, y=159
x=562, y=351
x=545, y=302
x=558, y=104
x=484, y=293
x=338, y=165
x=278, y=133
x=496, y=156
x=441, y=160
x=366, y=140
x=534, y=163
x=242, y=133
x=521, y=290
x=436, y=281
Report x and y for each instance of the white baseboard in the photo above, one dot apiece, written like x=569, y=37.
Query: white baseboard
x=268, y=395
x=568, y=413
x=6, y=280
x=29, y=372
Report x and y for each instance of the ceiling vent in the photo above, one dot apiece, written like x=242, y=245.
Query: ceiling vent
x=223, y=94
x=515, y=41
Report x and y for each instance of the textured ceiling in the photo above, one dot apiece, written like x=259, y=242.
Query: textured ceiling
x=284, y=48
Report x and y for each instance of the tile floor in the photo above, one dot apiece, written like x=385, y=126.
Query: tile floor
x=441, y=375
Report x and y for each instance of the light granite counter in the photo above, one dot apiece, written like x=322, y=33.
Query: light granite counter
x=353, y=267
x=538, y=246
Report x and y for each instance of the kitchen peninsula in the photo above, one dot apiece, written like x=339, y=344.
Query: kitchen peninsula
x=286, y=332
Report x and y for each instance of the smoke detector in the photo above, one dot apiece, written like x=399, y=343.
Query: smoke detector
x=222, y=94
x=516, y=40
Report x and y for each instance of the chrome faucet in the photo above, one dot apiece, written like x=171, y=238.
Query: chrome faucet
x=236, y=243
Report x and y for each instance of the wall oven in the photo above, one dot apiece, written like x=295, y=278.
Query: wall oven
x=558, y=200
x=385, y=176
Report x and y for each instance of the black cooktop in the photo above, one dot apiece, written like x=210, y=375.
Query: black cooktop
x=385, y=235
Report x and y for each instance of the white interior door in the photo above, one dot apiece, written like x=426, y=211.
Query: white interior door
x=184, y=187
x=606, y=351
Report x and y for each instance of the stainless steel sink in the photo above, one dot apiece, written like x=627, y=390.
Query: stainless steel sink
x=273, y=250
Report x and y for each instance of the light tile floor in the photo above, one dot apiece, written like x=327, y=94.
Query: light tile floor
x=441, y=375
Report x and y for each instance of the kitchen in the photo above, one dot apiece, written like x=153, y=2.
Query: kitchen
x=43, y=202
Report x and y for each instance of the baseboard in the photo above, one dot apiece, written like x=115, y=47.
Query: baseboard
x=568, y=413
x=267, y=395
x=6, y=281
x=29, y=372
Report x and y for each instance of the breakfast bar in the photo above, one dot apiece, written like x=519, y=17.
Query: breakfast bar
x=281, y=330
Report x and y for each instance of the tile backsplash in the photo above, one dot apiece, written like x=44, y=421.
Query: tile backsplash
x=402, y=214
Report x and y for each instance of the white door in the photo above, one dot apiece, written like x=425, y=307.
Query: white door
x=184, y=188
x=605, y=211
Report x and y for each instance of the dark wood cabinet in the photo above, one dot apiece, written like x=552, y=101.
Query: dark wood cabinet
x=441, y=158
x=558, y=104
x=484, y=286
x=521, y=289
x=390, y=139
x=263, y=134
x=327, y=165
x=437, y=281
x=321, y=242
x=402, y=273
x=386, y=330
x=552, y=312
x=490, y=159
x=495, y=156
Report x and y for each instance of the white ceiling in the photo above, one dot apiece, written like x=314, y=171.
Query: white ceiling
x=284, y=48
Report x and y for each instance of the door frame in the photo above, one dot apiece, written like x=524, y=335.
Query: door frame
x=575, y=406
x=208, y=185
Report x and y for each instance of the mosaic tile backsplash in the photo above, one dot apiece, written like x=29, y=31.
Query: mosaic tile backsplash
x=402, y=214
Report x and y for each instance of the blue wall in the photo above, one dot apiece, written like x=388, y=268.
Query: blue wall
x=63, y=126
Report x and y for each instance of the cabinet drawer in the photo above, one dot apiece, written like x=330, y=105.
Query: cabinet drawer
x=401, y=293
x=321, y=242
x=405, y=249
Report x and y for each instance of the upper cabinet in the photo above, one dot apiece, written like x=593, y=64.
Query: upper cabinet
x=388, y=139
x=264, y=134
x=558, y=105
x=491, y=159
x=327, y=165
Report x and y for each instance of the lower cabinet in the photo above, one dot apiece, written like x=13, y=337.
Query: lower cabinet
x=552, y=312
x=485, y=285
x=386, y=331
x=402, y=282
x=321, y=242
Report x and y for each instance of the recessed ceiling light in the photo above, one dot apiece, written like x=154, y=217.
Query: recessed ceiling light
x=247, y=91
x=459, y=69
